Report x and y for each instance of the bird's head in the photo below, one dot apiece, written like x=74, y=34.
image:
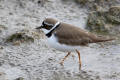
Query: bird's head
x=47, y=25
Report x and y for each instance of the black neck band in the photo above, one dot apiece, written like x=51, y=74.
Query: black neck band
x=50, y=33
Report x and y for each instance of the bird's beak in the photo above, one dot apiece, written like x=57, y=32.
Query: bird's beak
x=38, y=27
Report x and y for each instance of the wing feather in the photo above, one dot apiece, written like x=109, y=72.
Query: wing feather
x=70, y=35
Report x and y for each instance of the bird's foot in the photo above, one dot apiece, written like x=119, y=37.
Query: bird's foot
x=64, y=58
x=61, y=63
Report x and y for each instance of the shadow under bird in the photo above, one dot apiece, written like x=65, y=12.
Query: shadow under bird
x=68, y=38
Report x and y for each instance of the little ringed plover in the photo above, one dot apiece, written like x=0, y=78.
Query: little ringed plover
x=68, y=38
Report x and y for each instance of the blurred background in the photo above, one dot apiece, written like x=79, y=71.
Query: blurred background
x=25, y=55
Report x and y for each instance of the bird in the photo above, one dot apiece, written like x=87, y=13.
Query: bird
x=68, y=38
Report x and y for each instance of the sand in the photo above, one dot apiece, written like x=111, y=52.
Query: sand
x=38, y=61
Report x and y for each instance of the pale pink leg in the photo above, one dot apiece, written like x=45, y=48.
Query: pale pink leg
x=64, y=58
x=80, y=63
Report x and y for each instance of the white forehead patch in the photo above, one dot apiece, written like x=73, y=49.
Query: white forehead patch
x=48, y=24
x=47, y=31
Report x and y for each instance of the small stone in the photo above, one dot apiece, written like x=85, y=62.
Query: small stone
x=2, y=27
x=20, y=78
x=39, y=2
x=1, y=47
x=10, y=13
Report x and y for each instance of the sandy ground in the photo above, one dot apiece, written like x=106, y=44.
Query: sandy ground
x=37, y=61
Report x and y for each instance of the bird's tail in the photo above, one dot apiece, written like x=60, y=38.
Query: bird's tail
x=101, y=39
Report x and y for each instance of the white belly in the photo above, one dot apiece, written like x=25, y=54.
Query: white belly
x=53, y=42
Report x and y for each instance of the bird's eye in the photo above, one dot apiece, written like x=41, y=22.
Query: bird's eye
x=44, y=24
x=47, y=27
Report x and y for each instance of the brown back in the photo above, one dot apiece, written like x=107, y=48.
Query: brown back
x=72, y=35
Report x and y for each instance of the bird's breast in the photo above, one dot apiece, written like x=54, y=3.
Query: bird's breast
x=53, y=42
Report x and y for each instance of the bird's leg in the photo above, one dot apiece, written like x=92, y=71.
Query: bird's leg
x=64, y=58
x=79, y=59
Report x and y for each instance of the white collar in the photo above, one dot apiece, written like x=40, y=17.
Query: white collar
x=54, y=26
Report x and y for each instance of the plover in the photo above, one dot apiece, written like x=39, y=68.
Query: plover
x=67, y=37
